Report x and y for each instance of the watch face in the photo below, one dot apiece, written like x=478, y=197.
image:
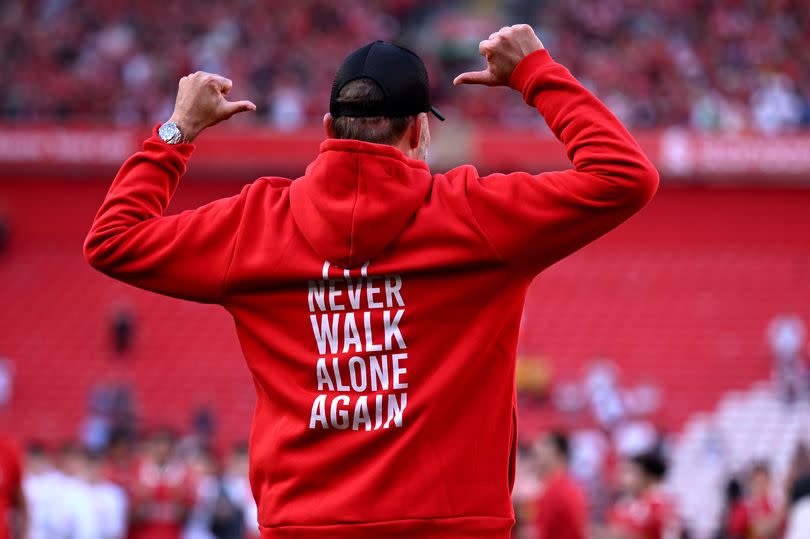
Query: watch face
x=169, y=132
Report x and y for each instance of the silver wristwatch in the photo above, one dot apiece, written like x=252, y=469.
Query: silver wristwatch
x=171, y=134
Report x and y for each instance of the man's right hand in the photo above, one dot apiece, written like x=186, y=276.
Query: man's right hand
x=201, y=103
x=503, y=50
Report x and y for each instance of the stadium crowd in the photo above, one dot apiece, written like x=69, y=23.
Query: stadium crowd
x=161, y=487
x=157, y=487
x=726, y=65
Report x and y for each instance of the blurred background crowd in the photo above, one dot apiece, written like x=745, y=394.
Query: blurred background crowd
x=155, y=487
x=607, y=475
x=663, y=385
x=712, y=65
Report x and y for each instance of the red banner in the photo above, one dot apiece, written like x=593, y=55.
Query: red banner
x=241, y=154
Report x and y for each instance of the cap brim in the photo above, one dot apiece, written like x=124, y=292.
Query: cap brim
x=436, y=113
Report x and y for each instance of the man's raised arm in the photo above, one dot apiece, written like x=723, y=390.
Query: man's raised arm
x=535, y=220
x=185, y=255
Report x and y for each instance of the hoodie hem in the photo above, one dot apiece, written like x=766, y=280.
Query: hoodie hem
x=439, y=528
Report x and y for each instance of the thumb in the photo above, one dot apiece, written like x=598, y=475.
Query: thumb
x=474, y=77
x=235, y=107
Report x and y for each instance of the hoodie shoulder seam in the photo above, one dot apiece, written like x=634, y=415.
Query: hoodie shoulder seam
x=483, y=232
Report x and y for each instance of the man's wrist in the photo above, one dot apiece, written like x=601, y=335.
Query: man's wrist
x=522, y=74
x=186, y=128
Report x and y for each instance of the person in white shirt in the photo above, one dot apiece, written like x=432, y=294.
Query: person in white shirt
x=237, y=487
x=59, y=498
x=39, y=489
x=787, y=336
x=798, y=519
x=109, y=501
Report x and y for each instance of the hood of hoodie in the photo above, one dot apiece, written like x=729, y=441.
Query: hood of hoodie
x=356, y=198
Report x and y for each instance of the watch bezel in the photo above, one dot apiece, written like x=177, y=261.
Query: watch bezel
x=170, y=133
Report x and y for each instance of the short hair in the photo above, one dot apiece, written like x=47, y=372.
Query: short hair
x=734, y=490
x=240, y=448
x=800, y=489
x=376, y=129
x=71, y=449
x=760, y=467
x=559, y=441
x=652, y=464
x=162, y=434
x=36, y=448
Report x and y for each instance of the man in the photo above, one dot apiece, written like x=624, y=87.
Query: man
x=65, y=497
x=109, y=501
x=798, y=518
x=561, y=507
x=41, y=482
x=235, y=487
x=643, y=511
x=378, y=304
x=761, y=517
x=13, y=508
x=162, y=494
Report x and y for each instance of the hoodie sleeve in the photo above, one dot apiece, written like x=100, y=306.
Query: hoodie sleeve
x=185, y=255
x=533, y=221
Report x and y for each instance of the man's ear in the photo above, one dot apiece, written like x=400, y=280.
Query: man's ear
x=416, y=131
x=328, y=125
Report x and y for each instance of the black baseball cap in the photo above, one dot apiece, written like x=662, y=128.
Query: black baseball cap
x=399, y=73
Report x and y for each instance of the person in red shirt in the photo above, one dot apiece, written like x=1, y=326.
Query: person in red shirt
x=161, y=495
x=562, y=504
x=758, y=516
x=643, y=510
x=378, y=304
x=13, y=514
x=119, y=461
x=734, y=521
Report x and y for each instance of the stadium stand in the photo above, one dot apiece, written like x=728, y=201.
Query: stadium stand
x=677, y=302
x=747, y=426
x=714, y=66
x=681, y=295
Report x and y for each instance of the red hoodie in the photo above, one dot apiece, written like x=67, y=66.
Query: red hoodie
x=377, y=305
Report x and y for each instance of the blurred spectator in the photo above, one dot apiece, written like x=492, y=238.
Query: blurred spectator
x=636, y=436
x=96, y=427
x=643, y=509
x=717, y=66
x=798, y=520
x=118, y=466
x=524, y=492
x=40, y=488
x=799, y=466
x=733, y=522
x=109, y=410
x=561, y=506
x=72, y=512
x=122, y=328
x=602, y=386
x=786, y=336
x=162, y=492
x=203, y=470
x=233, y=498
x=236, y=485
x=108, y=499
x=203, y=425
x=122, y=417
x=224, y=507
x=763, y=519
x=13, y=512
x=6, y=381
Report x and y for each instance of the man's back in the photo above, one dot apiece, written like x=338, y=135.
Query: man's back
x=378, y=308
x=386, y=368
